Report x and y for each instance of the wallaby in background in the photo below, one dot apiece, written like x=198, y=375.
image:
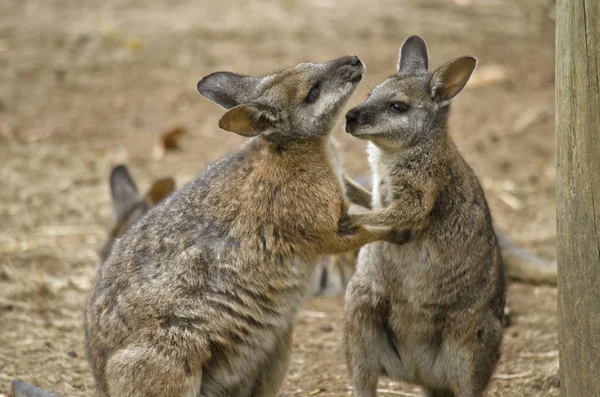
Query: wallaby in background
x=128, y=205
x=428, y=311
x=199, y=295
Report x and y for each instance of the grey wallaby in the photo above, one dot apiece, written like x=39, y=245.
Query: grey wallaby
x=428, y=311
x=199, y=295
x=128, y=205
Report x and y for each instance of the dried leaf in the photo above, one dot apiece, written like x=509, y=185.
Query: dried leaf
x=160, y=189
x=168, y=140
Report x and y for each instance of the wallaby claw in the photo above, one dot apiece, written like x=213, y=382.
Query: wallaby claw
x=346, y=224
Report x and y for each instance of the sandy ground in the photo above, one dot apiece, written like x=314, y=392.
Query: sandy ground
x=87, y=84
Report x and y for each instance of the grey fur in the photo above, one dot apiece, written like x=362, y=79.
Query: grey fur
x=428, y=311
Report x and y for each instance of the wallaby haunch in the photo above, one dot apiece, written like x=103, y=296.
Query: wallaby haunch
x=428, y=311
x=199, y=295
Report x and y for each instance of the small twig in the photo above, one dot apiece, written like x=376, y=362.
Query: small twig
x=312, y=314
x=397, y=393
x=510, y=200
x=550, y=354
x=67, y=230
x=394, y=392
x=513, y=376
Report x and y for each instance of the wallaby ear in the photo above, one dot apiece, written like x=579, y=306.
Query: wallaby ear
x=159, y=190
x=228, y=89
x=451, y=78
x=123, y=191
x=413, y=56
x=248, y=120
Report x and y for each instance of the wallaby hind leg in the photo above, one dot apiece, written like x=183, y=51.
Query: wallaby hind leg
x=145, y=371
x=370, y=347
x=472, y=363
x=273, y=373
x=437, y=393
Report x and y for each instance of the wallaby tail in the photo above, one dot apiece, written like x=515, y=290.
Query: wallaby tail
x=22, y=389
x=524, y=266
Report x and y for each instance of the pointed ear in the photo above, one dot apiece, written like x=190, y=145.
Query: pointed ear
x=413, y=56
x=159, y=190
x=228, y=89
x=451, y=78
x=248, y=120
x=123, y=191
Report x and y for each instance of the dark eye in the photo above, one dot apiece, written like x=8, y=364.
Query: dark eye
x=313, y=94
x=399, y=106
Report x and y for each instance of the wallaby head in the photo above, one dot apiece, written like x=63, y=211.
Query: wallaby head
x=412, y=105
x=302, y=101
x=128, y=205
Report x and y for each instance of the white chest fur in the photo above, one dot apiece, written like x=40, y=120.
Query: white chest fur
x=377, y=170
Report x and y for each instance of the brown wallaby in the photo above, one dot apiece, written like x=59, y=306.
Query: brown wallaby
x=128, y=205
x=428, y=311
x=199, y=295
x=332, y=272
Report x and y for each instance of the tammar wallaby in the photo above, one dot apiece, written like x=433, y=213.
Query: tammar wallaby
x=128, y=205
x=198, y=297
x=428, y=311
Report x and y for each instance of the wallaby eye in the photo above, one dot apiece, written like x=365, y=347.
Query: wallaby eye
x=313, y=94
x=399, y=106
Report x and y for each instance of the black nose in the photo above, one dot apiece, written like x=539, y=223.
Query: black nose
x=355, y=61
x=352, y=116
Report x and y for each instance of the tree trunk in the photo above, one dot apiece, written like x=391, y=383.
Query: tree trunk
x=578, y=194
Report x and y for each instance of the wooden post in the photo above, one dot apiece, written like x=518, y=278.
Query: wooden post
x=578, y=194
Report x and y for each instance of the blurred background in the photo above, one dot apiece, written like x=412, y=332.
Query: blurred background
x=85, y=85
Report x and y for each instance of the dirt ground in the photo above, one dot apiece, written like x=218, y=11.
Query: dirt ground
x=87, y=84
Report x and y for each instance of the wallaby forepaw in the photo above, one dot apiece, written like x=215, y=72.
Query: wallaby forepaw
x=346, y=224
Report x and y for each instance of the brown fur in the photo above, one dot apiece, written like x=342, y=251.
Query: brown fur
x=198, y=296
x=428, y=311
